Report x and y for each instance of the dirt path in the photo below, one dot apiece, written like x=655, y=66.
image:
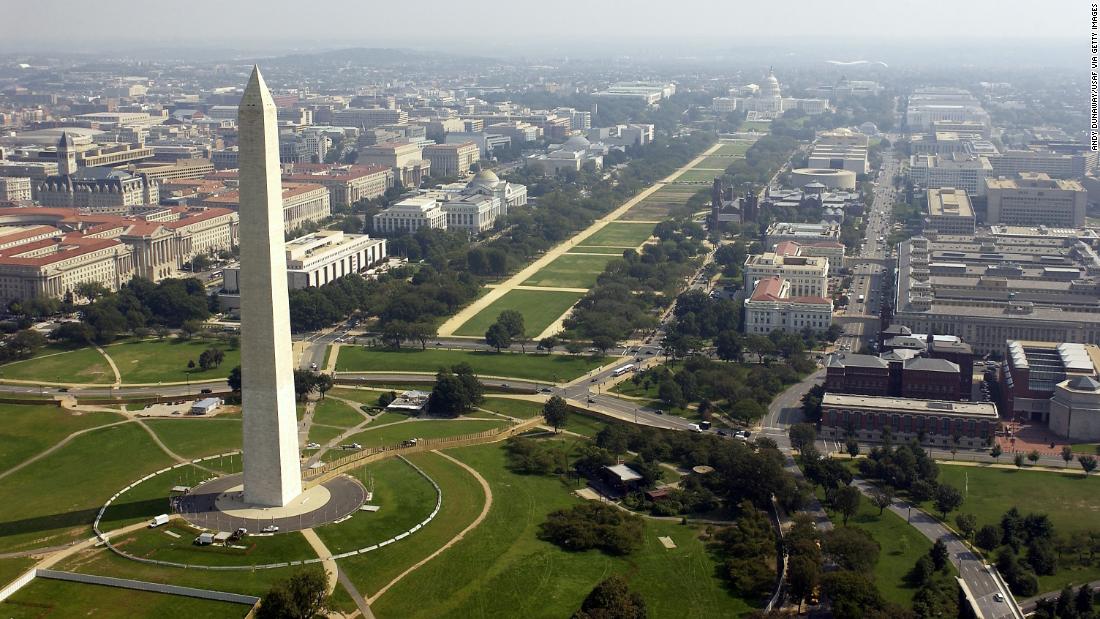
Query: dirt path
x=111, y=362
x=454, y=322
x=454, y=540
x=59, y=445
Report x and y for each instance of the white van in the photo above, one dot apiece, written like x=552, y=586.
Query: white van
x=158, y=520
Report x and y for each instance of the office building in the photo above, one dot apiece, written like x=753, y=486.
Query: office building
x=987, y=289
x=15, y=188
x=366, y=117
x=1032, y=370
x=1045, y=161
x=1033, y=199
x=347, y=184
x=451, y=159
x=807, y=276
x=648, y=92
x=302, y=203
x=893, y=374
x=931, y=105
x=410, y=215
x=957, y=170
x=322, y=257
x=406, y=159
x=773, y=307
x=864, y=417
x=949, y=212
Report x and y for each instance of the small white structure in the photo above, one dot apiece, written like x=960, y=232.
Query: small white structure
x=411, y=401
x=205, y=405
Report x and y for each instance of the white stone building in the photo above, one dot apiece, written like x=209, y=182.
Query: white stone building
x=410, y=215
x=772, y=307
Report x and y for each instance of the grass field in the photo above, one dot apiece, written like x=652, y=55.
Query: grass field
x=515, y=365
x=583, y=424
x=57, y=364
x=10, y=569
x=195, y=438
x=502, y=569
x=901, y=546
x=695, y=175
x=55, y=598
x=540, y=308
x=28, y=430
x=524, y=409
x=756, y=125
x=394, y=434
x=405, y=498
x=323, y=434
x=569, y=271
x=462, y=502
x=157, y=544
x=368, y=397
x=1070, y=501
x=58, y=496
x=152, y=361
x=733, y=148
x=336, y=413
x=606, y=251
x=716, y=163
x=621, y=234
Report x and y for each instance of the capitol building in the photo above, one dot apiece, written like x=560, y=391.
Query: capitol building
x=766, y=101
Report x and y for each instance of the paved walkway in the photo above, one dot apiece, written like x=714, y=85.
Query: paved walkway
x=454, y=540
x=325, y=555
x=454, y=322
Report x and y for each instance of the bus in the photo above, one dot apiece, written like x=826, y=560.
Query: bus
x=623, y=370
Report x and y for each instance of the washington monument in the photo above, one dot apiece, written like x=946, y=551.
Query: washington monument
x=271, y=471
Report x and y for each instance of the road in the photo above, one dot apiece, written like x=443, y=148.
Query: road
x=978, y=577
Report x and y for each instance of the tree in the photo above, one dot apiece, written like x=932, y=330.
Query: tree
x=729, y=346
x=498, y=337
x=1088, y=464
x=803, y=576
x=802, y=435
x=234, y=379
x=305, y=382
x=921, y=572
x=24, y=343
x=612, y=599
x=853, y=595
x=922, y=490
x=851, y=548
x=421, y=332
x=1083, y=601
x=948, y=499
x=548, y=343
x=512, y=321
x=846, y=501
x=190, y=327
x=303, y=595
x=323, y=382
x=603, y=343
x=852, y=445
x=670, y=393
x=966, y=523
x=1067, y=454
x=988, y=537
x=556, y=412
x=456, y=391
x=882, y=497
x=190, y=364
x=996, y=451
x=939, y=555
x=1018, y=460
x=1033, y=456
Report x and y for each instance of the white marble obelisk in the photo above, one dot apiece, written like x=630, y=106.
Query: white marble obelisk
x=271, y=471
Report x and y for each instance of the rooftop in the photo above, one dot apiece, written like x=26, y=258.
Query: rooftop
x=973, y=409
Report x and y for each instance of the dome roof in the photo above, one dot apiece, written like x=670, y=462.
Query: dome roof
x=485, y=177
x=577, y=142
x=770, y=88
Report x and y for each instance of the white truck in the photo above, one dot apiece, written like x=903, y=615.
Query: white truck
x=158, y=520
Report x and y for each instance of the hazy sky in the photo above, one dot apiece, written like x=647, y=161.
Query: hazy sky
x=40, y=24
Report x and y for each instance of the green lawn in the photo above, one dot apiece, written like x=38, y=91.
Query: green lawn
x=761, y=126
x=157, y=544
x=515, y=365
x=153, y=361
x=1086, y=448
x=901, y=545
x=10, y=569
x=323, y=434
x=58, y=364
x=394, y=434
x=462, y=502
x=540, y=308
x=55, y=499
x=501, y=569
x=28, y=430
x=692, y=176
x=583, y=424
x=570, y=271
x=56, y=598
x=606, y=251
x=716, y=163
x=195, y=438
x=368, y=397
x=524, y=409
x=734, y=148
x=621, y=234
x=405, y=498
x=336, y=413
x=1070, y=501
